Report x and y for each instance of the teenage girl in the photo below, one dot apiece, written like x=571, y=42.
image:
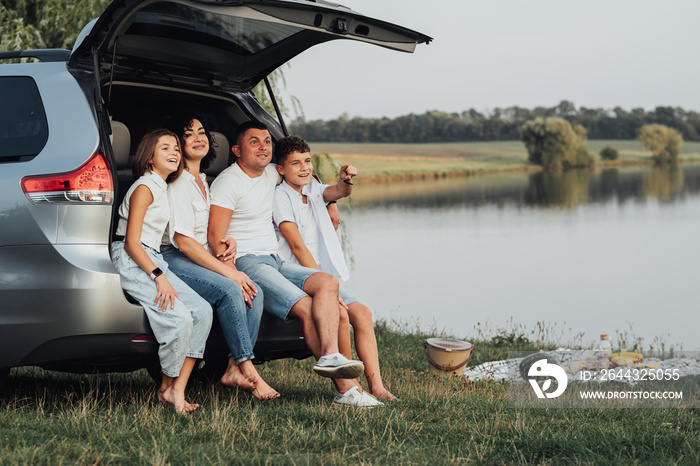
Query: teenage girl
x=179, y=318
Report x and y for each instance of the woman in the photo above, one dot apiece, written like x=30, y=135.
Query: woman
x=237, y=300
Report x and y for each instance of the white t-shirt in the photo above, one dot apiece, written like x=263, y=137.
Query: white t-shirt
x=189, y=209
x=157, y=215
x=250, y=199
x=289, y=208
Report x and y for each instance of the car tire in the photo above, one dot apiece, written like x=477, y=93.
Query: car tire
x=155, y=373
x=211, y=371
x=4, y=374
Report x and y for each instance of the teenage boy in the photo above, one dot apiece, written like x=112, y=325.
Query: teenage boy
x=241, y=207
x=306, y=236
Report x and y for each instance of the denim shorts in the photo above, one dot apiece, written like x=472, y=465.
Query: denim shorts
x=282, y=282
x=348, y=299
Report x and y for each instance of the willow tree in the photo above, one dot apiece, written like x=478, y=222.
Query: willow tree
x=287, y=103
x=41, y=24
x=664, y=143
x=552, y=142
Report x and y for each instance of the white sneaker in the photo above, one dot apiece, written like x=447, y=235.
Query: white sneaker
x=337, y=366
x=353, y=397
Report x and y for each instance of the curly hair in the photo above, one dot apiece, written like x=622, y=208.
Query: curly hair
x=288, y=145
x=184, y=124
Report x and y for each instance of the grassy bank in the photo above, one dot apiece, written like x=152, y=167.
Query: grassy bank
x=386, y=162
x=49, y=418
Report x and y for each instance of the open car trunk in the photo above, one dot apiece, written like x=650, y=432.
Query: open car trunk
x=225, y=45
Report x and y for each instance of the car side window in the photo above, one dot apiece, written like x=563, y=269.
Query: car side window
x=23, y=126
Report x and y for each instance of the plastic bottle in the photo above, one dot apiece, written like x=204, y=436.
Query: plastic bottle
x=603, y=352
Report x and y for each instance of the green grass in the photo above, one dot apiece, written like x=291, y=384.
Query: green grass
x=52, y=418
x=377, y=162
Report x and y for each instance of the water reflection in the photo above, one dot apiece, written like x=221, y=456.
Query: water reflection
x=548, y=189
x=604, y=251
x=558, y=188
x=664, y=182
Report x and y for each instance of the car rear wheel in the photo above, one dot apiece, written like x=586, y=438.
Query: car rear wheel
x=4, y=374
x=155, y=373
x=209, y=372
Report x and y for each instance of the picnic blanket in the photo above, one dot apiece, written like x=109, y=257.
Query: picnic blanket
x=574, y=363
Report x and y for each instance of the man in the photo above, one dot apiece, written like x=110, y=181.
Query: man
x=241, y=207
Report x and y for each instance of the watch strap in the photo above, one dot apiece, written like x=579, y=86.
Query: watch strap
x=156, y=273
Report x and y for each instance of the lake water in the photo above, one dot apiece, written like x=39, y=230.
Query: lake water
x=564, y=255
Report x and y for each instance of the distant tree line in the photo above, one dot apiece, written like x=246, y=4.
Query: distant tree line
x=496, y=125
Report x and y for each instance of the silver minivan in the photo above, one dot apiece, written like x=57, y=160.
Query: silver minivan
x=69, y=126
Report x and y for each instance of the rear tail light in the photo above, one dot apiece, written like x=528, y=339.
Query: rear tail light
x=146, y=337
x=91, y=183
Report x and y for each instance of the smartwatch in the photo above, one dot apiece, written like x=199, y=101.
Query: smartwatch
x=156, y=273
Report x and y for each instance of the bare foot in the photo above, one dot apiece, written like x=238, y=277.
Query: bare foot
x=263, y=391
x=164, y=385
x=236, y=379
x=160, y=396
x=383, y=394
x=177, y=399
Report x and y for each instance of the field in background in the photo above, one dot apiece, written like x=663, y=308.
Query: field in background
x=380, y=162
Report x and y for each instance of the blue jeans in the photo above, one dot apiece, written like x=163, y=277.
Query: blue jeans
x=282, y=282
x=182, y=331
x=239, y=323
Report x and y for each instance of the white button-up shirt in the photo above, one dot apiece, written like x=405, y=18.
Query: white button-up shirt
x=189, y=209
x=157, y=215
x=288, y=208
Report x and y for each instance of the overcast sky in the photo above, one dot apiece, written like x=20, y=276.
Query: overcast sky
x=500, y=53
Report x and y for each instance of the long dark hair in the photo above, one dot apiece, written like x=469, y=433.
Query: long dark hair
x=184, y=123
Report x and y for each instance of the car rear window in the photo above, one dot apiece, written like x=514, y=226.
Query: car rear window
x=244, y=36
x=23, y=127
